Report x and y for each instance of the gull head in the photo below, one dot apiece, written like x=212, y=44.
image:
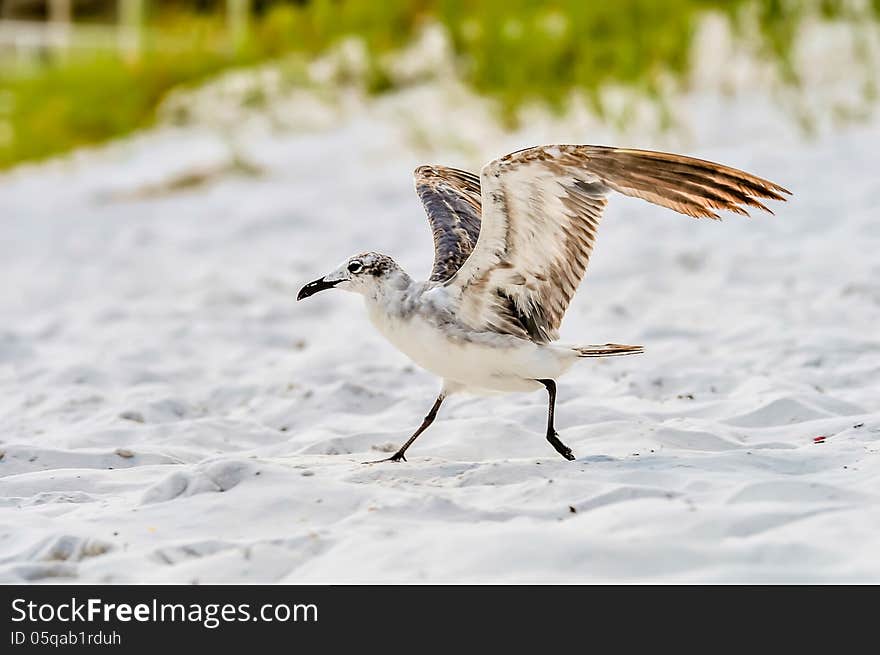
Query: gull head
x=366, y=274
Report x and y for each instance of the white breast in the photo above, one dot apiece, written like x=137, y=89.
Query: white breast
x=477, y=364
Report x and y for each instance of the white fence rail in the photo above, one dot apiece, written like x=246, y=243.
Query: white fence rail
x=60, y=33
x=21, y=36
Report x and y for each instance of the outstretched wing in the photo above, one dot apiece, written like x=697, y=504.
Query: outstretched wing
x=541, y=211
x=452, y=202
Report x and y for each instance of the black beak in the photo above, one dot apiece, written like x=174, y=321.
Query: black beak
x=314, y=287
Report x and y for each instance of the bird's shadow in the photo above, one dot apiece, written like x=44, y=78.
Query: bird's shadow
x=596, y=459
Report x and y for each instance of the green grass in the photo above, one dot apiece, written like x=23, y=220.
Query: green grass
x=516, y=51
x=90, y=100
x=86, y=98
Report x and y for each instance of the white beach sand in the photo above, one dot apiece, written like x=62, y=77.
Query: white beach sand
x=169, y=413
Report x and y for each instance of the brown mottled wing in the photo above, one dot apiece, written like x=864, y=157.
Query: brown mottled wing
x=452, y=202
x=541, y=211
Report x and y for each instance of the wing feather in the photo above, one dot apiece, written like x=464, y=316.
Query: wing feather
x=541, y=212
x=451, y=198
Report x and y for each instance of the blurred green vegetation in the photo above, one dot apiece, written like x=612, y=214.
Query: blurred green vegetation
x=514, y=50
x=87, y=97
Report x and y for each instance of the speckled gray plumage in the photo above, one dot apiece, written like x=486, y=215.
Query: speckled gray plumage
x=514, y=244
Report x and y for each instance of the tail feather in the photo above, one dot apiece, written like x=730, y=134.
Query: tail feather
x=608, y=350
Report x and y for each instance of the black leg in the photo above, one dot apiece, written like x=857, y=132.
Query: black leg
x=552, y=437
x=399, y=455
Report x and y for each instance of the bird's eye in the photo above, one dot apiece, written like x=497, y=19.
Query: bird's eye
x=355, y=267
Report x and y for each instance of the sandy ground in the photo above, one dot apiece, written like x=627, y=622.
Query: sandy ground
x=169, y=413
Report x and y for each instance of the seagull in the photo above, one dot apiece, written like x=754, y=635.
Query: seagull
x=510, y=248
